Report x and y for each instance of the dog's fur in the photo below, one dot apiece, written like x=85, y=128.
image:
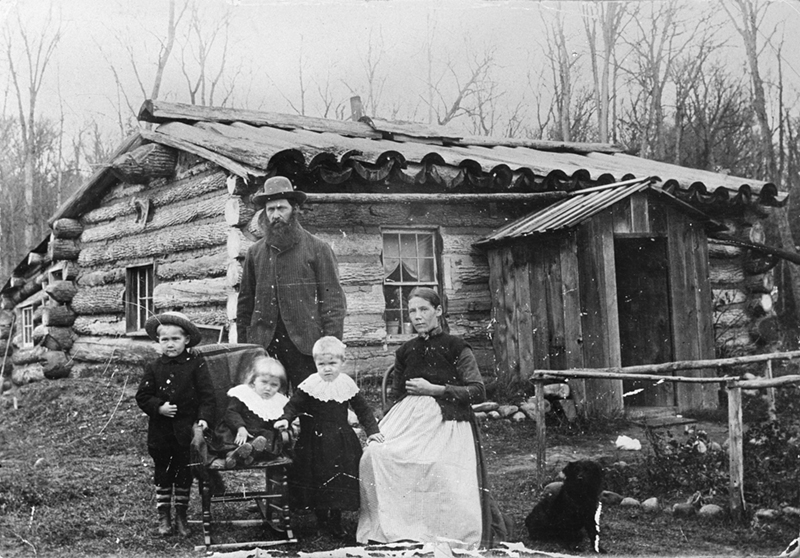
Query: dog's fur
x=566, y=510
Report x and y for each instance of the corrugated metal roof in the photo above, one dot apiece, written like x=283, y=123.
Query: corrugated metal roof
x=575, y=209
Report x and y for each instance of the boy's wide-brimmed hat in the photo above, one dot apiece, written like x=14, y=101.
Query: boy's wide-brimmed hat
x=173, y=318
x=278, y=188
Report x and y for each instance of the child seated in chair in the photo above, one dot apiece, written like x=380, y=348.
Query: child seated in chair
x=246, y=432
x=324, y=475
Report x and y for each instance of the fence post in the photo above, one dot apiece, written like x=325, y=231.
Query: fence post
x=736, y=452
x=772, y=411
x=541, y=432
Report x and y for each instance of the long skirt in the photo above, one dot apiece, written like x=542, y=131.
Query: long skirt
x=421, y=483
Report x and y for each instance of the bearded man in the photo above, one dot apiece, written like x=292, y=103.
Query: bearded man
x=289, y=294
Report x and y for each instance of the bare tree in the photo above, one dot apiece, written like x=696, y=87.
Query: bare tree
x=610, y=17
x=27, y=77
x=207, y=35
x=147, y=89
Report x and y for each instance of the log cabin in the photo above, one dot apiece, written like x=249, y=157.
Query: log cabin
x=165, y=224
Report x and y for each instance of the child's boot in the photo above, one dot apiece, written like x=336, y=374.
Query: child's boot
x=163, y=497
x=181, y=506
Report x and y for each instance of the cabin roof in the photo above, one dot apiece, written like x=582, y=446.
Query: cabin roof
x=252, y=144
x=583, y=204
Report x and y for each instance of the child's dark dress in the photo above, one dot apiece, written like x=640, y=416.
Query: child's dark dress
x=327, y=452
x=246, y=408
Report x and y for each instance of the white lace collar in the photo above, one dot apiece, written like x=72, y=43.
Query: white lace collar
x=342, y=389
x=267, y=409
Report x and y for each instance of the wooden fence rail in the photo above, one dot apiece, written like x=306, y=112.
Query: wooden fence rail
x=733, y=385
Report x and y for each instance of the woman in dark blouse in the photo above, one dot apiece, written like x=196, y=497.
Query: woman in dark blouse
x=426, y=481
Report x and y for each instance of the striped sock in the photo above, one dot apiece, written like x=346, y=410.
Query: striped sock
x=181, y=497
x=163, y=497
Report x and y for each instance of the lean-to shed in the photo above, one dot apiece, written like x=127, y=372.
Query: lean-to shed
x=165, y=225
x=614, y=275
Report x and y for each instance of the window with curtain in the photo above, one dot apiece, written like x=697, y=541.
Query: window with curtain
x=410, y=259
x=138, y=297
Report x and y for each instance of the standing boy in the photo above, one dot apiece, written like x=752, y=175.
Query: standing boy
x=176, y=392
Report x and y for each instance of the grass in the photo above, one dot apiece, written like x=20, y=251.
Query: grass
x=75, y=479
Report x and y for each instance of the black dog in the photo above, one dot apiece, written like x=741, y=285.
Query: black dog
x=565, y=510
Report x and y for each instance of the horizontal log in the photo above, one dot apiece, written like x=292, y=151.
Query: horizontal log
x=106, y=299
x=157, y=243
x=361, y=273
x=237, y=212
x=346, y=244
x=63, y=249
x=215, y=315
x=733, y=315
x=5, y=349
x=734, y=340
x=200, y=292
x=28, y=355
x=210, y=206
x=645, y=371
x=55, y=365
x=763, y=383
x=722, y=297
x=366, y=301
x=64, y=270
x=445, y=199
x=101, y=277
x=6, y=317
x=726, y=272
x=464, y=269
x=100, y=325
x=61, y=291
x=175, y=192
x=58, y=316
x=59, y=338
x=5, y=331
x=212, y=265
x=145, y=163
x=27, y=374
x=719, y=250
x=419, y=214
x=67, y=228
x=469, y=301
x=113, y=350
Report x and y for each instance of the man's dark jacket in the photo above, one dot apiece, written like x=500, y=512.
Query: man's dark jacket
x=301, y=284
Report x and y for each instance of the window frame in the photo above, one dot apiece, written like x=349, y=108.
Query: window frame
x=27, y=326
x=135, y=319
x=402, y=327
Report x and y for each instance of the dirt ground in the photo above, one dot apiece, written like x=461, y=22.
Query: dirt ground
x=75, y=480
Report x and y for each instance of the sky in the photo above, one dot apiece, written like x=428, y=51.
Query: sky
x=270, y=39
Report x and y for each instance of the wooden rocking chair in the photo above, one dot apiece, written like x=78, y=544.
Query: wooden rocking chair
x=227, y=364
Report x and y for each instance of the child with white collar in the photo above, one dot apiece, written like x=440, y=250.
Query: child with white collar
x=246, y=432
x=324, y=476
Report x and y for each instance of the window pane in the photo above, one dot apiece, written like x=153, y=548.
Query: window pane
x=391, y=247
x=426, y=272
x=410, y=272
x=425, y=245
x=391, y=269
x=408, y=246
